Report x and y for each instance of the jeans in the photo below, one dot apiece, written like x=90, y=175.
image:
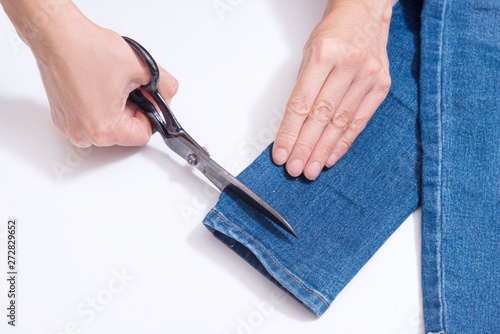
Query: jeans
x=434, y=142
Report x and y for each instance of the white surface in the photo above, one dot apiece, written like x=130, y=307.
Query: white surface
x=139, y=210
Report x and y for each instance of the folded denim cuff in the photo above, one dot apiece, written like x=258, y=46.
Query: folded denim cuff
x=265, y=261
x=344, y=216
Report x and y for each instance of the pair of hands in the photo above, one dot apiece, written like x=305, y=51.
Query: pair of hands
x=343, y=79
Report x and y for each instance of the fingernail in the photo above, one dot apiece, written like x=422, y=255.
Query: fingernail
x=280, y=156
x=313, y=170
x=332, y=160
x=295, y=167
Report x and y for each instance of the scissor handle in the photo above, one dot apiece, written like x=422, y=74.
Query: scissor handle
x=141, y=102
x=168, y=124
x=153, y=67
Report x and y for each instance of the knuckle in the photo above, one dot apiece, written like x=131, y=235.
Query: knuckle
x=320, y=51
x=323, y=151
x=341, y=118
x=345, y=144
x=372, y=67
x=354, y=57
x=304, y=146
x=322, y=113
x=358, y=125
x=385, y=84
x=286, y=136
x=80, y=143
x=78, y=140
x=101, y=134
x=299, y=106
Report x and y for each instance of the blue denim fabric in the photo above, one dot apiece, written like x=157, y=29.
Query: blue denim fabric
x=344, y=216
x=460, y=126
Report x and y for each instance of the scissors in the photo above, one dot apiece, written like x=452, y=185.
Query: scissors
x=179, y=141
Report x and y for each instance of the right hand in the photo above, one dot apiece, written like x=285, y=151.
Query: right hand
x=88, y=73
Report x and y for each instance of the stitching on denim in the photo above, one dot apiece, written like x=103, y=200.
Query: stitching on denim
x=440, y=218
x=258, y=243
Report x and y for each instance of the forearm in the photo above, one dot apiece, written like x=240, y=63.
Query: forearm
x=41, y=22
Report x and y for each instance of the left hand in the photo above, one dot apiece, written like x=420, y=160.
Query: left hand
x=343, y=79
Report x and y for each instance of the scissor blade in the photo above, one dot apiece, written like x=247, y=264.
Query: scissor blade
x=250, y=197
x=187, y=148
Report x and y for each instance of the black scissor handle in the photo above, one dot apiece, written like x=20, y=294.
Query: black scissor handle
x=153, y=67
x=141, y=102
x=168, y=124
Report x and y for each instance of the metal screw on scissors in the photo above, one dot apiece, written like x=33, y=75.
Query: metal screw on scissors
x=181, y=142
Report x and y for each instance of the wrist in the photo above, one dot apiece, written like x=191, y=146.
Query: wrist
x=378, y=10
x=42, y=24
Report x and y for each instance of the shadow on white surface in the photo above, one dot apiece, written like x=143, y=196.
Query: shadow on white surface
x=26, y=130
x=178, y=172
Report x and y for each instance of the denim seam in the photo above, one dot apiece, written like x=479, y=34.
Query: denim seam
x=439, y=218
x=275, y=262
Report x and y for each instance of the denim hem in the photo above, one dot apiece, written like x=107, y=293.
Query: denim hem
x=431, y=110
x=261, y=259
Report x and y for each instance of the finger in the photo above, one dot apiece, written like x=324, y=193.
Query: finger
x=168, y=85
x=320, y=116
x=134, y=128
x=80, y=143
x=366, y=110
x=78, y=138
x=311, y=79
x=336, y=126
x=70, y=130
x=59, y=122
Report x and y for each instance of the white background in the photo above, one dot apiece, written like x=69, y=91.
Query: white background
x=138, y=211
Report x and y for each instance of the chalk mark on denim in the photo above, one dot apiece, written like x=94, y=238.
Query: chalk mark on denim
x=258, y=243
